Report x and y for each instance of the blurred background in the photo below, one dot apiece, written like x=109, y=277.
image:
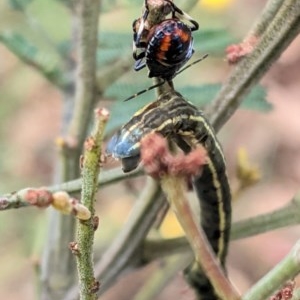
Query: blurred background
x=31, y=120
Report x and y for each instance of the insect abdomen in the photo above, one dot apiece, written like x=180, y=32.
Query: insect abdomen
x=170, y=47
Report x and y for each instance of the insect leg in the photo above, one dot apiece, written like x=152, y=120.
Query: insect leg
x=140, y=63
x=142, y=25
x=183, y=15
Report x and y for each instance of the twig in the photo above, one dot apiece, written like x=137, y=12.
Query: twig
x=279, y=34
x=85, y=229
x=105, y=178
x=16, y=200
x=269, y=12
x=57, y=277
x=172, y=172
x=285, y=292
x=287, y=269
x=137, y=226
x=86, y=69
x=197, y=239
x=120, y=254
x=283, y=217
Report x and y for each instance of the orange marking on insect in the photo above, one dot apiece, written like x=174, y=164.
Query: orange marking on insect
x=184, y=35
x=164, y=47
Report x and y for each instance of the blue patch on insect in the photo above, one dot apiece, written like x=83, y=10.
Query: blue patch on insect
x=124, y=144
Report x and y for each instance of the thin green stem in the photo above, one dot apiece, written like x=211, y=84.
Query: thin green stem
x=269, y=12
x=86, y=70
x=58, y=267
x=85, y=229
x=174, y=188
x=279, y=34
x=16, y=200
x=283, y=217
x=105, y=178
x=124, y=251
x=287, y=269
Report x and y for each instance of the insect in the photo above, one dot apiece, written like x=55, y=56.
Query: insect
x=162, y=36
x=165, y=45
x=169, y=47
x=177, y=119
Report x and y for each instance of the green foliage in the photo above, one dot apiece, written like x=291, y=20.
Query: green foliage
x=112, y=45
x=18, y=45
x=31, y=54
x=212, y=41
x=20, y=5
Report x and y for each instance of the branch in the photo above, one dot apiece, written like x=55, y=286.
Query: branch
x=280, y=33
x=283, y=217
x=268, y=14
x=287, y=269
x=279, y=218
x=105, y=178
x=17, y=200
x=172, y=172
x=122, y=253
x=85, y=229
x=86, y=69
x=57, y=277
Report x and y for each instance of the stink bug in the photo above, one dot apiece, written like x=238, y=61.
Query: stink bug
x=169, y=47
x=165, y=46
x=155, y=12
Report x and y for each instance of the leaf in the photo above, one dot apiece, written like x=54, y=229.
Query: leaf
x=18, y=44
x=19, y=4
x=112, y=46
x=201, y=96
x=212, y=41
x=31, y=54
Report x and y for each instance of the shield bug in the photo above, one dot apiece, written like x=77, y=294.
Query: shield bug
x=166, y=46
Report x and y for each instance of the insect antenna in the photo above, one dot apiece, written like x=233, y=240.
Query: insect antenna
x=191, y=64
x=146, y=90
x=164, y=80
